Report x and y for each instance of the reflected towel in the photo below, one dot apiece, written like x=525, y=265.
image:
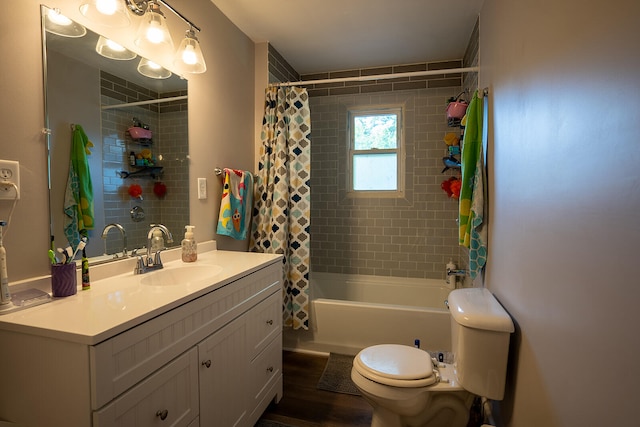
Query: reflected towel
x=235, y=204
x=78, y=197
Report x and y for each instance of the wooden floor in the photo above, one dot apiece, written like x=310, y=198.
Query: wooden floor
x=303, y=405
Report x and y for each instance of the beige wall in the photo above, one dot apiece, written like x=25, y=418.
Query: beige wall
x=564, y=200
x=221, y=119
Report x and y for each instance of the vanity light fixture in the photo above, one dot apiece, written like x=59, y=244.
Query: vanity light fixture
x=110, y=13
x=152, y=70
x=112, y=50
x=153, y=34
x=56, y=23
x=189, y=56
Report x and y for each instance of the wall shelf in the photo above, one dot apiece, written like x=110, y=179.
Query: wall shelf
x=152, y=171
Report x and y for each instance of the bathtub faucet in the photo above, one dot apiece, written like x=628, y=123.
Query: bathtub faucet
x=459, y=273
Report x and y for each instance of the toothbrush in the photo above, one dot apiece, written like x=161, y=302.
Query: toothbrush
x=52, y=257
x=80, y=246
x=5, y=296
x=65, y=254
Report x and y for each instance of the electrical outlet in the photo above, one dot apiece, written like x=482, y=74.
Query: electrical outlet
x=9, y=173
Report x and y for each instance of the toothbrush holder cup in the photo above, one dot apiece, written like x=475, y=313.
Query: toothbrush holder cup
x=64, y=281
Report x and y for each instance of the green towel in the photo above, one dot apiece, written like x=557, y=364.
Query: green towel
x=78, y=198
x=471, y=149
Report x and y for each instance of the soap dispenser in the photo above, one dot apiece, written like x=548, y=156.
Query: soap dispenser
x=189, y=245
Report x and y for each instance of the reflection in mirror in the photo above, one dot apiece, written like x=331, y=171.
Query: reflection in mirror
x=139, y=160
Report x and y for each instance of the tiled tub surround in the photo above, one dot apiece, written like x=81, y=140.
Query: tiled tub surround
x=169, y=124
x=128, y=353
x=413, y=236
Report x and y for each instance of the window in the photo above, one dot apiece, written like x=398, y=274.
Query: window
x=376, y=162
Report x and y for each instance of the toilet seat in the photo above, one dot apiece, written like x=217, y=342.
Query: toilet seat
x=396, y=365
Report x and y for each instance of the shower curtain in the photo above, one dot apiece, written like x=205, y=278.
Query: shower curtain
x=281, y=212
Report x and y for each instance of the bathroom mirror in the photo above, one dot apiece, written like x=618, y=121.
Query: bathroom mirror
x=137, y=180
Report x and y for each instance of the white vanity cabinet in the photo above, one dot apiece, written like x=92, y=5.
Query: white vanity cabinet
x=215, y=360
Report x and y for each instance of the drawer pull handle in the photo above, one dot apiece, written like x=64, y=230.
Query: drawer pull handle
x=270, y=369
x=162, y=414
x=207, y=363
x=270, y=322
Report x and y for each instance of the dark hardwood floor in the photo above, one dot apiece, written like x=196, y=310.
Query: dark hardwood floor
x=303, y=405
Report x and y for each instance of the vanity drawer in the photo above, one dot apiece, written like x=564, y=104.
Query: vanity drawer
x=265, y=370
x=264, y=322
x=168, y=397
x=122, y=361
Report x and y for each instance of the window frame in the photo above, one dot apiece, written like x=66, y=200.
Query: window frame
x=354, y=112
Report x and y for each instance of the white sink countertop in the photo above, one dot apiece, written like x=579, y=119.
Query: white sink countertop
x=121, y=301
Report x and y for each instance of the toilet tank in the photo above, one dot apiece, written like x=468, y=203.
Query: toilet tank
x=480, y=331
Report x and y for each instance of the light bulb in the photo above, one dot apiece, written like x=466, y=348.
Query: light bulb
x=189, y=55
x=153, y=65
x=154, y=32
x=114, y=46
x=57, y=18
x=106, y=7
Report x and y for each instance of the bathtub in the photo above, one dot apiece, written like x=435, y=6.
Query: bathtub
x=354, y=312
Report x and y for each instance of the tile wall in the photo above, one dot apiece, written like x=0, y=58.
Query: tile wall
x=410, y=237
x=169, y=124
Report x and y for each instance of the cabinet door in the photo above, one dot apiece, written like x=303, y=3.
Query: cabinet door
x=264, y=322
x=168, y=397
x=223, y=374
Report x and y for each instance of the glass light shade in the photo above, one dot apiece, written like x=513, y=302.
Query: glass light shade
x=152, y=70
x=57, y=23
x=112, y=50
x=110, y=13
x=153, y=34
x=189, y=56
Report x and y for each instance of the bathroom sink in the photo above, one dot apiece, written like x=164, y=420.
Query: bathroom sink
x=180, y=275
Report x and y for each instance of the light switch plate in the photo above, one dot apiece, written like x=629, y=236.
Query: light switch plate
x=9, y=173
x=202, y=188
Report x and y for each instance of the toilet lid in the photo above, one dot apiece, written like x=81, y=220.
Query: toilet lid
x=396, y=365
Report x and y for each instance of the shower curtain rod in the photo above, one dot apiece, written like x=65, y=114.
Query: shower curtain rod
x=377, y=77
x=150, y=101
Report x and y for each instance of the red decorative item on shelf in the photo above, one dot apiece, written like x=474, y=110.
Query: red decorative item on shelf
x=159, y=189
x=135, y=190
x=452, y=187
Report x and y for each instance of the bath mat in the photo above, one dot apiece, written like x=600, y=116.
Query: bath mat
x=337, y=375
x=269, y=423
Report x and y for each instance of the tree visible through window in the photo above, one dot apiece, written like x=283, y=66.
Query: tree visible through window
x=375, y=150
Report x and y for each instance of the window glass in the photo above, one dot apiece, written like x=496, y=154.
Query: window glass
x=375, y=152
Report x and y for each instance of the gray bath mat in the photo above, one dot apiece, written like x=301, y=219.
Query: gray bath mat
x=337, y=375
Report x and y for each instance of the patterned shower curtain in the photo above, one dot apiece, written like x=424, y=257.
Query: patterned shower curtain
x=281, y=211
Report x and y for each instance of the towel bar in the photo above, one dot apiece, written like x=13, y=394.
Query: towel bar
x=220, y=171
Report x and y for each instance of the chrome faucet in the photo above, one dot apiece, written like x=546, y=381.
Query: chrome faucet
x=460, y=273
x=108, y=227
x=152, y=260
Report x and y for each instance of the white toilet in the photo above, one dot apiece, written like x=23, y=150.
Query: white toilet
x=407, y=388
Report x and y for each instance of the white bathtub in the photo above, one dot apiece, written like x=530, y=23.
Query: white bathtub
x=358, y=311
